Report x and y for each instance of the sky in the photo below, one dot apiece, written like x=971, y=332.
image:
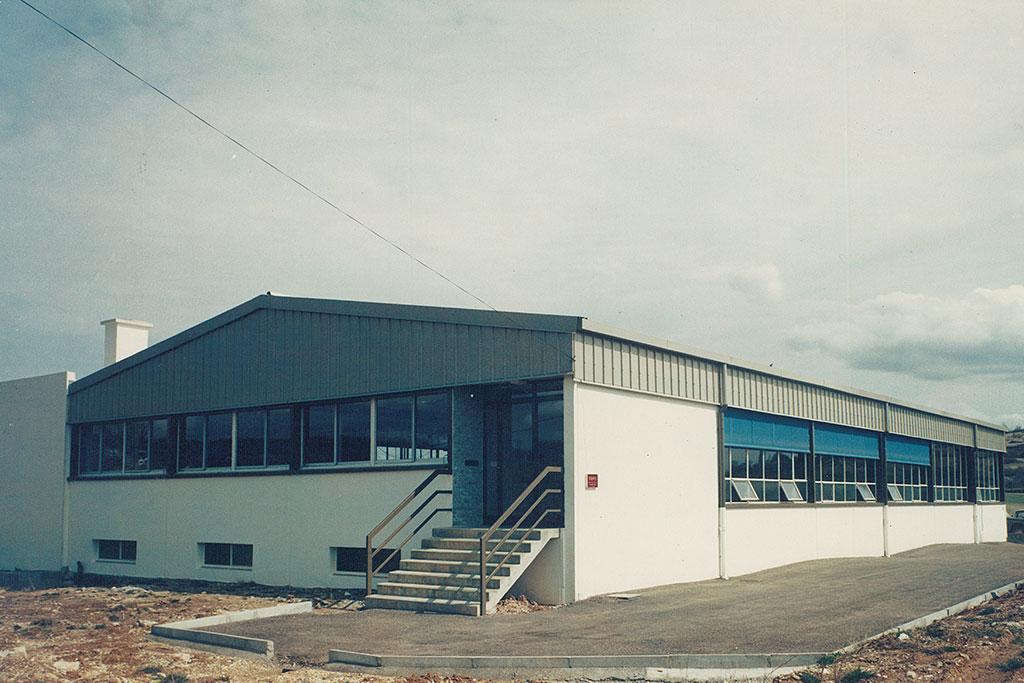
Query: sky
x=834, y=189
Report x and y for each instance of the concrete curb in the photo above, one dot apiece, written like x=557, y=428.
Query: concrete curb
x=942, y=613
x=188, y=630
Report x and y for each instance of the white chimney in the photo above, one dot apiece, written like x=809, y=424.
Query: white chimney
x=123, y=338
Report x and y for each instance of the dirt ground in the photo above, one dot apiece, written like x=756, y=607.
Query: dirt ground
x=100, y=634
x=982, y=644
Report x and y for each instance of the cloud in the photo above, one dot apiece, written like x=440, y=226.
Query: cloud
x=761, y=283
x=929, y=337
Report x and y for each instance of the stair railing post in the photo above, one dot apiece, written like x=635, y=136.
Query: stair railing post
x=369, y=565
x=483, y=575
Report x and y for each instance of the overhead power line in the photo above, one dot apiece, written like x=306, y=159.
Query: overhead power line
x=277, y=169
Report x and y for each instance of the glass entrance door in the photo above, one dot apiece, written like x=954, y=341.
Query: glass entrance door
x=523, y=427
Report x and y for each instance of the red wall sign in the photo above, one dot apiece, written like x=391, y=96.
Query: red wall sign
x=591, y=481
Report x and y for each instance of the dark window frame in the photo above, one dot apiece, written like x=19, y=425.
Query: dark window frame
x=125, y=551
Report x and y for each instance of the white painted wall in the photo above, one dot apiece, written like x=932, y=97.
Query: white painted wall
x=914, y=526
x=654, y=517
x=32, y=475
x=291, y=520
x=992, y=523
x=761, y=537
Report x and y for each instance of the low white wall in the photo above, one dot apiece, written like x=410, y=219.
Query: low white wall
x=292, y=521
x=992, y=523
x=32, y=476
x=653, y=519
x=915, y=526
x=762, y=537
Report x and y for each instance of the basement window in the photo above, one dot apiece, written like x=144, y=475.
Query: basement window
x=115, y=550
x=236, y=555
x=353, y=559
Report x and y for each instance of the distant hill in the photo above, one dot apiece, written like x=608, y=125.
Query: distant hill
x=1014, y=468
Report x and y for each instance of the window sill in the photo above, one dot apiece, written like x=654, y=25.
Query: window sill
x=224, y=566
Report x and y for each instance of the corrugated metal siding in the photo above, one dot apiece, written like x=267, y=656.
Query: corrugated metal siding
x=622, y=364
x=991, y=439
x=769, y=394
x=284, y=356
x=911, y=422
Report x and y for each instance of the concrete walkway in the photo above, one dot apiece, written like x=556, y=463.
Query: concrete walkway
x=816, y=606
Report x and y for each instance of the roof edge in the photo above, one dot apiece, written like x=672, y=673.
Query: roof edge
x=588, y=325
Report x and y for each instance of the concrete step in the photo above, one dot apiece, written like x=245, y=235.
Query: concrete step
x=450, y=567
x=424, y=590
x=449, y=555
x=468, y=532
x=413, y=604
x=436, y=579
x=474, y=544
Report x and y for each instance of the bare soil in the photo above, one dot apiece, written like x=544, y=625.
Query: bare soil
x=982, y=644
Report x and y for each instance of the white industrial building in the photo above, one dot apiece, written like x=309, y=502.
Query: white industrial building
x=268, y=442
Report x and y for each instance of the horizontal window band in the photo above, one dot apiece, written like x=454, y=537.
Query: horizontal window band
x=200, y=474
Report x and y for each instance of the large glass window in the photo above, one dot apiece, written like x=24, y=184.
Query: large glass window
x=761, y=475
x=161, y=445
x=89, y=448
x=354, y=432
x=112, y=458
x=137, y=442
x=433, y=426
x=190, y=453
x=949, y=465
x=218, y=440
x=986, y=465
x=907, y=483
x=844, y=479
x=318, y=435
x=279, y=436
x=394, y=428
x=249, y=434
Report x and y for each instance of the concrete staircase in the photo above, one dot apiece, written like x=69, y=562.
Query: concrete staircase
x=443, y=575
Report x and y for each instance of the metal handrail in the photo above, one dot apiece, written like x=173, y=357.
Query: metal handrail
x=485, y=554
x=371, y=552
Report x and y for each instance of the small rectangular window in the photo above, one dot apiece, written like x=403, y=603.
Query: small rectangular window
x=227, y=554
x=353, y=559
x=894, y=493
x=865, y=493
x=115, y=550
x=744, y=490
x=791, y=492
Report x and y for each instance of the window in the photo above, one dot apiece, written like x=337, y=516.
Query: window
x=136, y=457
x=250, y=428
x=986, y=465
x=433, y=426
x=115, y=551
x=394, y=428
x=753, y=474
x=161, y=445
x=907, y=483
x=949, y=464
x=112, y=448
x=353, y=559
x=190, y=453
x=318, y=435
x=89, y=448
x=227, y=554
x=218, y=440
x=844, y=479
x=354, y=432
x=279, y=436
